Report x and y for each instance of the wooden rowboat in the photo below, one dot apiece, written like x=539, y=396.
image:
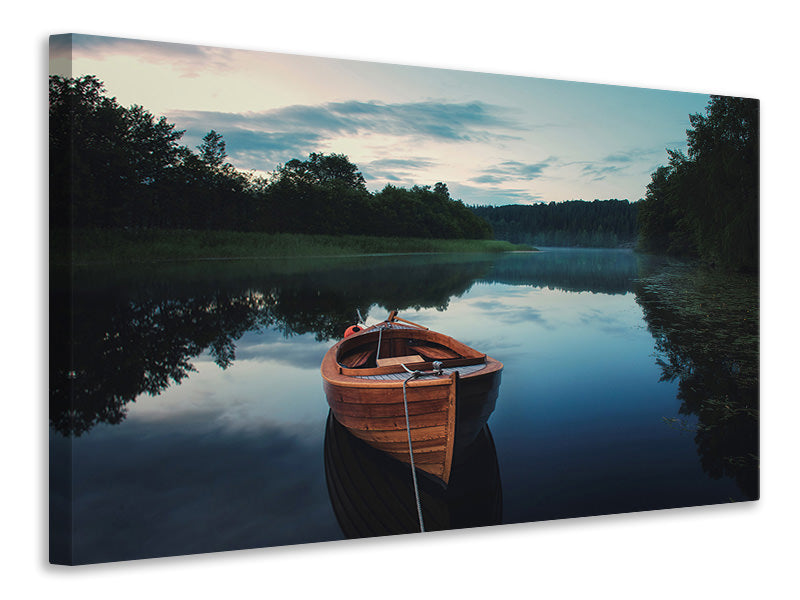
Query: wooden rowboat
x=449, y=388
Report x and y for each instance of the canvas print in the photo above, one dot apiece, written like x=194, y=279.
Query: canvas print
x=298, y=299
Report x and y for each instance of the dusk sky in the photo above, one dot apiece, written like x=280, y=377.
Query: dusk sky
x=493, y=139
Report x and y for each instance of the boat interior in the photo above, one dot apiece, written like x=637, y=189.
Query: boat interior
x=385, y=348
x=393, y=351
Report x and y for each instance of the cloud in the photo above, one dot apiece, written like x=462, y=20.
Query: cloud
x=495, y=196
x=396, y=169
x=442, y=121
x=616, y=162
x=489, y=179
x=619, y=158
x=403, y=164
x=525, y=170
x=289, y=132
x=610, y=164
x=490, y=191
x=514, y=170
x=598, y=172
x=189, y=60
x=248, y=145
x=264, y=150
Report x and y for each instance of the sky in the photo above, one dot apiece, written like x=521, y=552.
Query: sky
x=493, y=139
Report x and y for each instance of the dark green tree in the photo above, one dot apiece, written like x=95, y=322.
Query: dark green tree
x=724, y=145
x=212, y=150
x=323, y=169
x=107, y=163
x=705, y=204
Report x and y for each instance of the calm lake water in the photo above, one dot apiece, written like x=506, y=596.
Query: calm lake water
x=199, y=421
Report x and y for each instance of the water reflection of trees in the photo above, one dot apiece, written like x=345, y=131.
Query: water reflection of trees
x=706, y=328
x=117, y=335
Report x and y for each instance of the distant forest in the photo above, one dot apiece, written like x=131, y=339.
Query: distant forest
x=121, y=168
x=705, y=204
x=598, y=224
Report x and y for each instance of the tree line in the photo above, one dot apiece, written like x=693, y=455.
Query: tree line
x=705, y=204
x=118, y=167
x=602, y=223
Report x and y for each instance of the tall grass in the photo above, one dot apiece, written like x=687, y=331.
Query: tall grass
x=123, y=246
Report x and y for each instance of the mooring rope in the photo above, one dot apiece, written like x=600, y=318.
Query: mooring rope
x=414, y=375
x=437, y=370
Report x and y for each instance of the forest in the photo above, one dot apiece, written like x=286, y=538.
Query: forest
x=598, y=224
x=113, y=167
x=705, y=204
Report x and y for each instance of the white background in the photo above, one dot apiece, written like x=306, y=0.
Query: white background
x=731, y=47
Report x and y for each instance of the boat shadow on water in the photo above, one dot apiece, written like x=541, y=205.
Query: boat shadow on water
x=372, y=494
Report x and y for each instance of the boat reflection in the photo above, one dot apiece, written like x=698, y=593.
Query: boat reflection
x=372, y=494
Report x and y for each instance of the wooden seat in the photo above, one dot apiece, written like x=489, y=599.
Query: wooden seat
x=431, y=353
x=400, y=360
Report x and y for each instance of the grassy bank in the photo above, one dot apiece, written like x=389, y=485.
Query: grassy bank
x=116, y=246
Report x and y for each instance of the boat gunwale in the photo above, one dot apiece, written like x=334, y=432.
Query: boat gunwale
x=333, y=374
x=468, y=355
x=426, y=365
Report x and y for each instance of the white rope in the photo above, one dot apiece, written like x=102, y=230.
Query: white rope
x=414, y=375
x=437, y=370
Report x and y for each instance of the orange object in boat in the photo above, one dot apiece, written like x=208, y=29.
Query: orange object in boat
x=353, y=329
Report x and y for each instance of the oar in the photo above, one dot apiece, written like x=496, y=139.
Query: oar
x=410, y=323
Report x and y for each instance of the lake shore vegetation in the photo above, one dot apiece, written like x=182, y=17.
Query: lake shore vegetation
x=95, y=246
x=705, y=204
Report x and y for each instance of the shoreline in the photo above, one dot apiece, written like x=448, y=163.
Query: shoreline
x=97, y=247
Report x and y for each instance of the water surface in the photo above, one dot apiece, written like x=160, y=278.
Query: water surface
x=198, y=420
